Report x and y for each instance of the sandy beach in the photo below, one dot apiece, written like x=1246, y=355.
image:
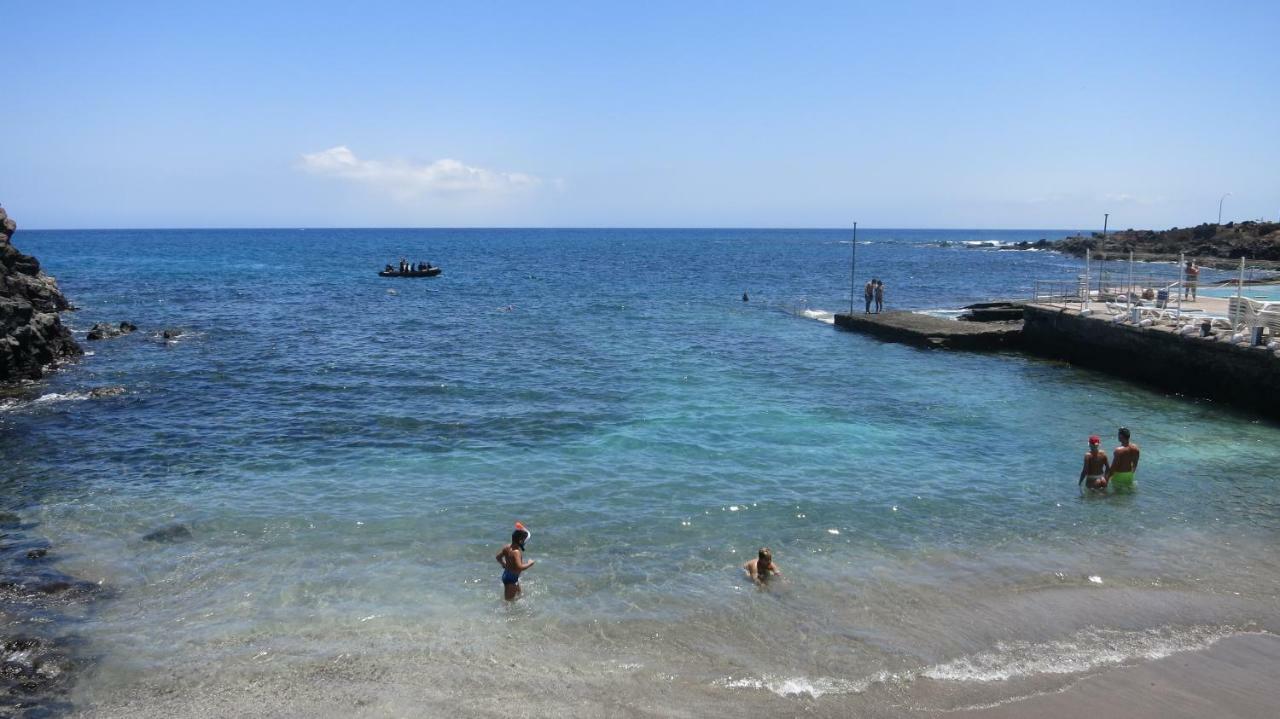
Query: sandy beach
x=1236, y=678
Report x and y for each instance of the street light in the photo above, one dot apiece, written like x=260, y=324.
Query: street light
x=1220, y=207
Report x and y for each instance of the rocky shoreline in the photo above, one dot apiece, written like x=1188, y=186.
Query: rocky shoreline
x=32, y=336
x=38, y=603
x=1210, y=244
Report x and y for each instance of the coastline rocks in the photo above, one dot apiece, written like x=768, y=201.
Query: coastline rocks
x=38, y=604
x=105, y=331
x=171, y=333
x=31, y=668
x=101, y=392
x=32, y=336
x=1232, y=240
x=171, y=533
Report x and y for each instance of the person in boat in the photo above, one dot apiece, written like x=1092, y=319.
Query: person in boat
x=389, y=268
x=428, y=265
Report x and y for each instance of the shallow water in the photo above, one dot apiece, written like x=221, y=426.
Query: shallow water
x=349, y=451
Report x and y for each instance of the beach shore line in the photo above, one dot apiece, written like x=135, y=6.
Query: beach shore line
x=1235, y=677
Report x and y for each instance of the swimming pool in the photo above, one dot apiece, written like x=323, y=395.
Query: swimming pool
x=1266, y=293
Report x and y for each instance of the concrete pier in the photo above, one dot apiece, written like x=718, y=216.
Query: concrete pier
x=1247, y=377
x=1158, y=355
x=934, y=332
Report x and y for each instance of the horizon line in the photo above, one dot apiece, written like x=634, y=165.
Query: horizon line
x=537, y=227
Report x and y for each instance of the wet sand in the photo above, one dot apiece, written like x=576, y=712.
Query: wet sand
x=1236, y=677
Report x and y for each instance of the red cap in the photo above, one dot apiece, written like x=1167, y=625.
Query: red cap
x=1095, y=439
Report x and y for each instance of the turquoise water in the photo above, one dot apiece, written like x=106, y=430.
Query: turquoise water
x=1265, y=293
x=349, y=452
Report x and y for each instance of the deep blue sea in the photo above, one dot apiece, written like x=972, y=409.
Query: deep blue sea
x=349, y=452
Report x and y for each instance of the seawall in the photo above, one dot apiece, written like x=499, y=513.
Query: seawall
x=1248, y=377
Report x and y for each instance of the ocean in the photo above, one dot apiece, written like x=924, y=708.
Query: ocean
x=348, y=453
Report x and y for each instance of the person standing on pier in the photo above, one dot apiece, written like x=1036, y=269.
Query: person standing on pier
x=1124, y=462
x=868, y=293
x=879, y=296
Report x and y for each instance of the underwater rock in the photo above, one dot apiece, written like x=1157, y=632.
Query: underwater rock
x=171, y=533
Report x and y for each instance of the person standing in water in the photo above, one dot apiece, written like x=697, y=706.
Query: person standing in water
x=511, y=557
x=1124, y=462
x=762, y=567
x=879, y=296
x=868, y=293
x=1093, y=474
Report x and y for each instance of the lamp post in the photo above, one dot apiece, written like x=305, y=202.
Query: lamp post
x=853, y=268
x=1224, y=197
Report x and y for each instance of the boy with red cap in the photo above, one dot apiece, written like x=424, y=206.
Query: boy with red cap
x=1093, y=474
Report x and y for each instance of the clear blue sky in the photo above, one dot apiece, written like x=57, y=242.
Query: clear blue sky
x=933, y=114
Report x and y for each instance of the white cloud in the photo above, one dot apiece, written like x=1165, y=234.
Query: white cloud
x=406, y=180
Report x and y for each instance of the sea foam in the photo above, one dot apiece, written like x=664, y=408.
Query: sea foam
x=1085, y=651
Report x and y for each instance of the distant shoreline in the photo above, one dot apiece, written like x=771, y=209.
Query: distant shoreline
x=1210, y=245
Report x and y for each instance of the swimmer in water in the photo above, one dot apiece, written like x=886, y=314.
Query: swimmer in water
x=511, y=557
x=762, y=567
x=1096, y=466
x=1124, y=463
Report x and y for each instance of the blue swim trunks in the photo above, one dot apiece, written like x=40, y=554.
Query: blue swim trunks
x=510, y=577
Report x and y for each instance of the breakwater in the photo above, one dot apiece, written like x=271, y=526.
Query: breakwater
x=931, y=332
x=1244, y=376
x=1248, y=377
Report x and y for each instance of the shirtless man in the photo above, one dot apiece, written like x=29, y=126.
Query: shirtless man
x=1193, y=277
x=512, y=560
x=1124, y=462
x=1095, y=467
x=869, y=293
x=762, y=567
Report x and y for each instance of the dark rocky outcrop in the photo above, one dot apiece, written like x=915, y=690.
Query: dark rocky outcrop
x=106, y=330
x=32, y=336
x=1207, y=242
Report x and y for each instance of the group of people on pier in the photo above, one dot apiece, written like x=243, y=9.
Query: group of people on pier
x=874, y=291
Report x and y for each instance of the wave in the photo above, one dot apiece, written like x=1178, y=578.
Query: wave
x=803, y=686
x=1086, y=651
x=819, y=315
x=1083, y=652
x=57, y=397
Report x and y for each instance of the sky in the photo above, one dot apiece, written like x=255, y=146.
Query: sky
x=654, y=114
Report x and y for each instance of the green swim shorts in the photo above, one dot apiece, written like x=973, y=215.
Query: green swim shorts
x=1122, y=481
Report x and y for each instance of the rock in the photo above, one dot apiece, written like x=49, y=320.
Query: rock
x=171, y=533
x=171, y=333
x=37, y=553
x=101, y=392
x=105, y=331
x=32, y=337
